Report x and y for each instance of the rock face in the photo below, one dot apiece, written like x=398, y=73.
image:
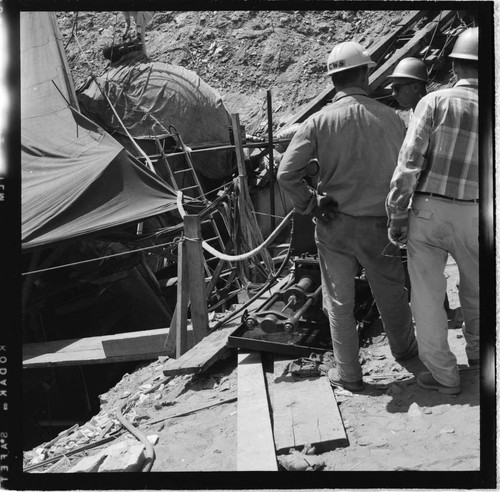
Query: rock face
x=241, y=54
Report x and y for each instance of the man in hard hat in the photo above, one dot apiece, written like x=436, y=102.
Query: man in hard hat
x=438, y=170
x=356, y=142
x=409, y=81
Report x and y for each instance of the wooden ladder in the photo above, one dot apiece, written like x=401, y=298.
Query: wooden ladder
x=185, y=179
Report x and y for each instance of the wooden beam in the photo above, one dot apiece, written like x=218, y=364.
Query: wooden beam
x=255, y=437
x=378, y=49
x=205, y=353
x=138, y=345
x=176, y=342
x=379, y=77
x=375, y=51
x=305, y=411
x=196, y=276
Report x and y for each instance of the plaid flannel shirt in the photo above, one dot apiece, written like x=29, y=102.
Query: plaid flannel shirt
x=440, y=151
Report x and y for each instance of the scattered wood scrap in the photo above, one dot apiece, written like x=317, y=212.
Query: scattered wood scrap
x=305, y=413
x=255, y=436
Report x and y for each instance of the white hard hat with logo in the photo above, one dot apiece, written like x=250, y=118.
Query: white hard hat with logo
x=347, y=55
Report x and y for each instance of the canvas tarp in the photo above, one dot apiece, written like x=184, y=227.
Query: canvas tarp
x=149, y=97
x=76, y=179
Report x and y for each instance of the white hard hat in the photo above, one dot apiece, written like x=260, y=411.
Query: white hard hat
x=465, y=47
x=347, y=55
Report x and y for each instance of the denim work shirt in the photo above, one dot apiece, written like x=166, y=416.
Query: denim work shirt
x=356, y=141
x=440, y=151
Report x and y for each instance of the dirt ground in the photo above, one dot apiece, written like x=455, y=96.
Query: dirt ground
x=393, y=425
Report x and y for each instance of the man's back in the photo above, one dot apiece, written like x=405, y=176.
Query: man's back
x=357, y=141
x=443, y=141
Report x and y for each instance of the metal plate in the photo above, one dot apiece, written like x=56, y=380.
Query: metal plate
x=310, y=337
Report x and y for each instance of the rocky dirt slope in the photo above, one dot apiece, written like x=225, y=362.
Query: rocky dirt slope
x=242, y=54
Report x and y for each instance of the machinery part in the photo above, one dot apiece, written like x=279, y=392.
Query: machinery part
x=297, y=295
x=465, y=47
x=347, y=55
x=292, y=322
x=312, y=168
x=268, y=321
x=410, y=68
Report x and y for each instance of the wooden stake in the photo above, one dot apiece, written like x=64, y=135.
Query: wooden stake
x=196, y=276
x=182, y=302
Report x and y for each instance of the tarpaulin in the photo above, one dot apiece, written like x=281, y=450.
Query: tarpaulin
x=76, y=179
x=149, y=97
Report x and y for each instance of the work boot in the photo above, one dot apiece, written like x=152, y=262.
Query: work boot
x=426, y=380
x=337, y=381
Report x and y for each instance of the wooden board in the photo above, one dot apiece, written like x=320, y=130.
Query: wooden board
x=409, y=49
x=138, y=345
x=378, y=49
x=195, y=277
x=205, y=353
x=305, y=411
x=255, y=436
x=375, y=52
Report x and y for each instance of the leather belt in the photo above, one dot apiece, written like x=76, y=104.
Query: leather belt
x=435, y=195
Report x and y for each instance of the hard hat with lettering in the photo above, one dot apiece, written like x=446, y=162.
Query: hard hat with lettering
x=466, y=45
x=410, y=68
x=347, y=55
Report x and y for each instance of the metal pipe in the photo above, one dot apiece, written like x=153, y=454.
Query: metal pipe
x=271, y=159
x=291, y=322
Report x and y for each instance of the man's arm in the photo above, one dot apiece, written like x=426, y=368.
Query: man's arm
x=411, y=162
x=291, y=169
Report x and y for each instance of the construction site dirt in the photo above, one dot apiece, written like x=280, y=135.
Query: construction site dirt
x=191, y=414
x=392, y=426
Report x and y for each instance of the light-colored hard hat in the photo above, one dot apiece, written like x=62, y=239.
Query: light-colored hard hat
x=466, y=45
x=410, y=68
x=347, y=55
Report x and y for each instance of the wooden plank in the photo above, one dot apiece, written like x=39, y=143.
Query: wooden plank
x=196, y=276
x=305, y=411
x=378, y=49
x=375, y=52
x=182, y=302
x=139, y=345
x=410, y=48
x=255, y=437
x=205, y=353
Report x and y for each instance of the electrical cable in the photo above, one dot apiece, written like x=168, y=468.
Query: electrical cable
x=242, y=256
x=272, y=279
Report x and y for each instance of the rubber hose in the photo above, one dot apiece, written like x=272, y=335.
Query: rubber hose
x=243, y=256
x=266, y=286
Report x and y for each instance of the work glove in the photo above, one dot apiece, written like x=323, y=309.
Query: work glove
x=398, y=228
x=325, y=209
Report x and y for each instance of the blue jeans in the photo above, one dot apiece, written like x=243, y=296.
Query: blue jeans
x=438, y=227
x=344, y=244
